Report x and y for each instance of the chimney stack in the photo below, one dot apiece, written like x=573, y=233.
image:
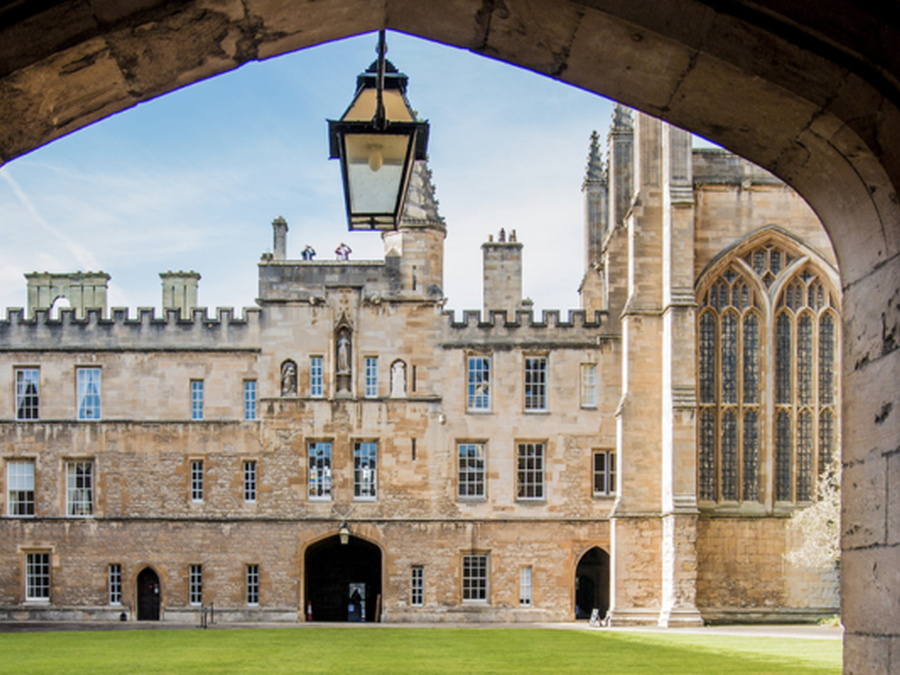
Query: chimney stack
x=280, y=228
x=179, y=291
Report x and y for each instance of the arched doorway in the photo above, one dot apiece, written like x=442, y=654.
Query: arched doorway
x=337, y=573
x=592, y=583
x=148, y=595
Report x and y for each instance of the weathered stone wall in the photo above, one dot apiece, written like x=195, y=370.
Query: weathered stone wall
x=743, y=574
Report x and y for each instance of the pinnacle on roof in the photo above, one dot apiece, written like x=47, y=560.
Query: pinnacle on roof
x=421, y=206
x=622, y=120
x=596, y=173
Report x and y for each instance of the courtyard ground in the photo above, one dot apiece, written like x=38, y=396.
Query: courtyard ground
x=375, y=649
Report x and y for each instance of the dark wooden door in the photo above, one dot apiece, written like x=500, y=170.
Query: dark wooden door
x=148, y=595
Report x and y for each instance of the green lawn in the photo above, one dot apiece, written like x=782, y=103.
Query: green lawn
x=392, y=651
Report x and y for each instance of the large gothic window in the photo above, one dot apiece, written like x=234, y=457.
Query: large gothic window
x=767, y=380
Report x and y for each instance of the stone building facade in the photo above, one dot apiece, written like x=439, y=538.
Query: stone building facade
x=639, y=456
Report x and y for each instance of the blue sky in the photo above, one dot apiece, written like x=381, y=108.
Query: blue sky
x=193, y=179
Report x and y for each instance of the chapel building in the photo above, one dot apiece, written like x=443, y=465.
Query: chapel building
x=347, y=450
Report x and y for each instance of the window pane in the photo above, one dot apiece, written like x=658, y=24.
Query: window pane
x=365, y=457
x=79, y=488
x=479, y=383
x=417, y=585
x=783, y=344
x=804, y=456
x=589, y=385
x=707, y=360
x=250, y=481
x=751, y=359
x=37, y=576
x=751, y=457
x=535, y=383
x=316, y=377
x=471, y=470
x=729, y=358
x=20, y=488
x=249, y=399
x=195, y=584
x=783, y=459
x=805, y=359
x=197, y=480
x=27, y=390
x=826, y=360
x=196, y=399
x=708, y=473
x=525, y=577
x=826, y=440
x=115, y=584
x=729, y=456
x=320, y=470
x=88, y=394
x=530, y=471
x=371, y=376
x=252, y=584
x=475, y=577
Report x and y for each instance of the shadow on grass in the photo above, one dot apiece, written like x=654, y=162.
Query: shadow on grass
x=394, y=651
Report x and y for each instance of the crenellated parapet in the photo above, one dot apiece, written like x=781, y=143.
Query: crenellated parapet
x=497, y=329
x=200, y=331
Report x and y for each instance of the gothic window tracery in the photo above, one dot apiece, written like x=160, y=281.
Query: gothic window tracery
x=766, y=306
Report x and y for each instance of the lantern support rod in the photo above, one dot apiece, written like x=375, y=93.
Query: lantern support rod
x=380, y=121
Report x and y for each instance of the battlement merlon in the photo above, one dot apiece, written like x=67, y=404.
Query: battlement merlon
x=498, y=329
x=200, y=331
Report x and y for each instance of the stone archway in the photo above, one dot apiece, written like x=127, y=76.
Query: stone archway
x=808, y=93
x=592, y=584
x=343, y=581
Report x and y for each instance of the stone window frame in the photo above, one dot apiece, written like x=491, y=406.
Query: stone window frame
x=475, y=577
x=37, y=575
x=526, y=586
x=250, y=480
x=195, y=585
x=370, y=375
x=27, y=404
x=606, y=474
x=588, y=386
x=322, y=482
x=252, y=585
x=14, y=484
x=251, y=398
x=197, y=399
x=88, y=393
x=365, y=490
x=531, y=479
x=480, y=475
x=535, y=382
x=80, y=486
x=478, y=375
x=196, y=480
x=417, y=585
x=751, y=261
x=114, y=584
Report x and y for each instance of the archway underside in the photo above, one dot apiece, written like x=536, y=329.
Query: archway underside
x=807, y=91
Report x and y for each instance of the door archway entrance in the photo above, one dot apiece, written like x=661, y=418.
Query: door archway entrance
x=343, y=581
x=592, y=583
x=148, y=595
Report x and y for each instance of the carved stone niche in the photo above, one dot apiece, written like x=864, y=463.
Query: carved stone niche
x=343, y=359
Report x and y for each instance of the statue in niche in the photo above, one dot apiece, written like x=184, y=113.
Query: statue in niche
x=343, y=355
x=398, y=379
x=288, y=378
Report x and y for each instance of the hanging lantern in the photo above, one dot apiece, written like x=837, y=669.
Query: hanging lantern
x=377, y=141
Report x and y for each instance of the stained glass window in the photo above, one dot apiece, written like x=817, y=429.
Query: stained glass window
x=751, y=456
x=729, y=456
x=799, y=432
